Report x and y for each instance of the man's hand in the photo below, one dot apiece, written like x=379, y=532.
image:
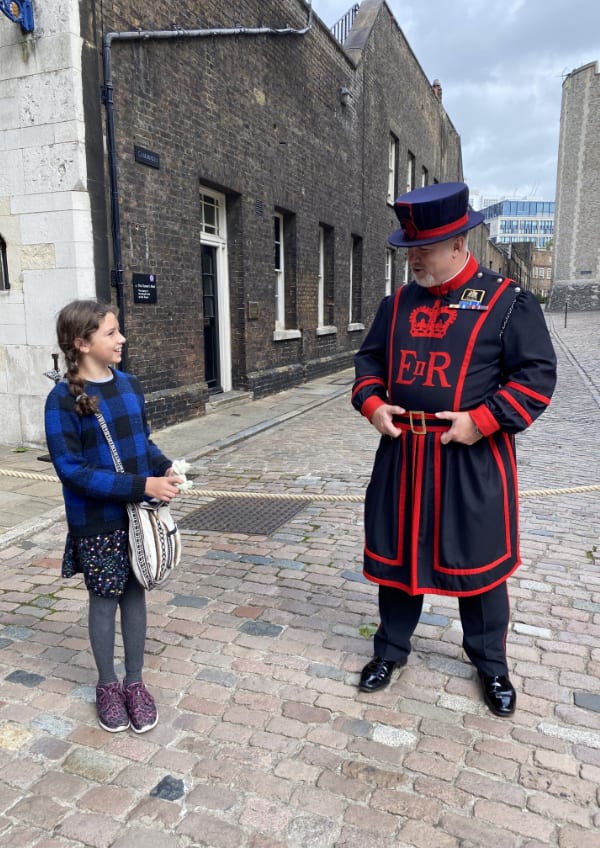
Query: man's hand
x=462, y=428
x=382, y=420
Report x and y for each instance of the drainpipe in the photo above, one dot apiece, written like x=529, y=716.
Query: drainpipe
x=107, y=98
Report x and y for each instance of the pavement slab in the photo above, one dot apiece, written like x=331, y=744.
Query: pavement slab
x=256, y=642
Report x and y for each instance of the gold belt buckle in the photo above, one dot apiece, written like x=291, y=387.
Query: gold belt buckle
x=418, y=427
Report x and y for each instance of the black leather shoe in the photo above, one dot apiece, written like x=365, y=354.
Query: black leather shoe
x=377, y=674
x=499, y=694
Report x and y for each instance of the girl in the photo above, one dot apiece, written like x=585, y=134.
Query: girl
x=95, y=497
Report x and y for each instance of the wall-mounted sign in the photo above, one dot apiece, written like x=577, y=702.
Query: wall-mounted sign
x=19, y=11
x=144, y=288
x=146, y=157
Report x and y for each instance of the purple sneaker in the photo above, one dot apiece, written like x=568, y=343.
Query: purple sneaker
x=141, y=707
x=110, y=705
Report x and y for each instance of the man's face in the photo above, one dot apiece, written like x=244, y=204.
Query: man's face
x=433, y=264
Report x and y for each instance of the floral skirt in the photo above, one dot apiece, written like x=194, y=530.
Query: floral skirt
x=103, y=560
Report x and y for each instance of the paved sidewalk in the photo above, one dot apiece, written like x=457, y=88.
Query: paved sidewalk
x=255, y=646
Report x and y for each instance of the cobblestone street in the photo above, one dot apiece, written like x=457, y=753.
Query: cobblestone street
x=254, y=651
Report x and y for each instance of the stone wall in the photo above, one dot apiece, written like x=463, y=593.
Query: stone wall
x=577, y=295
x=45, y=216
x=576, y=270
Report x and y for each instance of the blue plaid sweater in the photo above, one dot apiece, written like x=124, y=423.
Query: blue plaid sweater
x=95, y=494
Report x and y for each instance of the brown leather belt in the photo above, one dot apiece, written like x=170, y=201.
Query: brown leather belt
x=419, y=423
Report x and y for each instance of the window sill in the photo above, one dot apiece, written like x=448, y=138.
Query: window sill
x=353, y=328
x=326, y=331
x=285, y=335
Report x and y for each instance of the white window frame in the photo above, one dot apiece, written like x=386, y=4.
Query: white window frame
x=350, y=281
x=279, y=273
x=321, y=289
x=389, y=267
x=392, y=164
x=410, y=171
x=322, y=328
x=353, y=326
x=280, y=334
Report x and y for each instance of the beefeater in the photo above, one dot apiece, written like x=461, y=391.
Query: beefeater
x=454, y=365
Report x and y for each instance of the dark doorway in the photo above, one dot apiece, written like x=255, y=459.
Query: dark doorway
x=211, y=318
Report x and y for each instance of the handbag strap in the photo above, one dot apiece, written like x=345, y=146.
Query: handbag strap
x=113, y=451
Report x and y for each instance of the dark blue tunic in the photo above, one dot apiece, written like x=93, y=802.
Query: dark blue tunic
x=444, y=518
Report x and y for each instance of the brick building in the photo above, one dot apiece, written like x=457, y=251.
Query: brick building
x=576, y=270
x=234, y=185
x=541, y=272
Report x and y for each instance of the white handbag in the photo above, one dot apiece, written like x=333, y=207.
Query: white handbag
x=154, y=539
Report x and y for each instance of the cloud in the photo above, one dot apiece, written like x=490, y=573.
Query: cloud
x=501, y=67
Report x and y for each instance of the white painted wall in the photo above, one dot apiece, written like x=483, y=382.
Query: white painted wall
x=44, y=206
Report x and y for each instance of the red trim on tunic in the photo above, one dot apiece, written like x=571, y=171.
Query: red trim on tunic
x=512, y=456
x=367, y=381
x=471, y=344
x=484, y=420
x=417, y=491
x=437, y=495
x=433, y=590
x=516, y=406
x=402, y=503
x=370, y=405
x=502, y=470
x=391, y=341
x=468, y=572
x=526, y=391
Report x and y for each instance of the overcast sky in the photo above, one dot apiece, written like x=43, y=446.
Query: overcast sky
x=501, y=66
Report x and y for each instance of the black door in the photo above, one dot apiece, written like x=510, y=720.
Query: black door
x=211, y=319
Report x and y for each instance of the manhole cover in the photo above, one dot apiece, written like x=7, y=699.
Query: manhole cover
x=259, y=516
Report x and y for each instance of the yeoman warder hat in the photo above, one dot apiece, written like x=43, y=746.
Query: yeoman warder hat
x=433, y=213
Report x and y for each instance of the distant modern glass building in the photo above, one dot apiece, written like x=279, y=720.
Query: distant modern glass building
x=520, y=220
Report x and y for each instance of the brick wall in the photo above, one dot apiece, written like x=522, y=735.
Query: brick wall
x=260, y=120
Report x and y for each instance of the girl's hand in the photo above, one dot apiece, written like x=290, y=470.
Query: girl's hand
x=162, y=488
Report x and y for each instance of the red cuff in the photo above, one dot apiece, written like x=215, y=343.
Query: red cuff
x=484, y=420
x=370, y=405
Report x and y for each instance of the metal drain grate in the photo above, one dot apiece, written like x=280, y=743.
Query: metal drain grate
x=242, y=515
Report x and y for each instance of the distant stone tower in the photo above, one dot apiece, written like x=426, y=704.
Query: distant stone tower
x=576, y=273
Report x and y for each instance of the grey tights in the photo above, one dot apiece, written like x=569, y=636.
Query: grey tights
x=101, y=625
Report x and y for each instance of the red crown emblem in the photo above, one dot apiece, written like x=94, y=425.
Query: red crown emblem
x=428, y=322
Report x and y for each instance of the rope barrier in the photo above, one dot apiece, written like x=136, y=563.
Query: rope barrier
x=294, y=496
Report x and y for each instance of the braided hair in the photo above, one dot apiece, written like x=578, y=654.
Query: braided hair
x=78, y=320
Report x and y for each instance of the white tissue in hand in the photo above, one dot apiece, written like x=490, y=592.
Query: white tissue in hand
x=180, y=467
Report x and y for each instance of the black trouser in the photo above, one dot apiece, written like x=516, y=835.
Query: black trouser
x=484, y=621
x=101, y=618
